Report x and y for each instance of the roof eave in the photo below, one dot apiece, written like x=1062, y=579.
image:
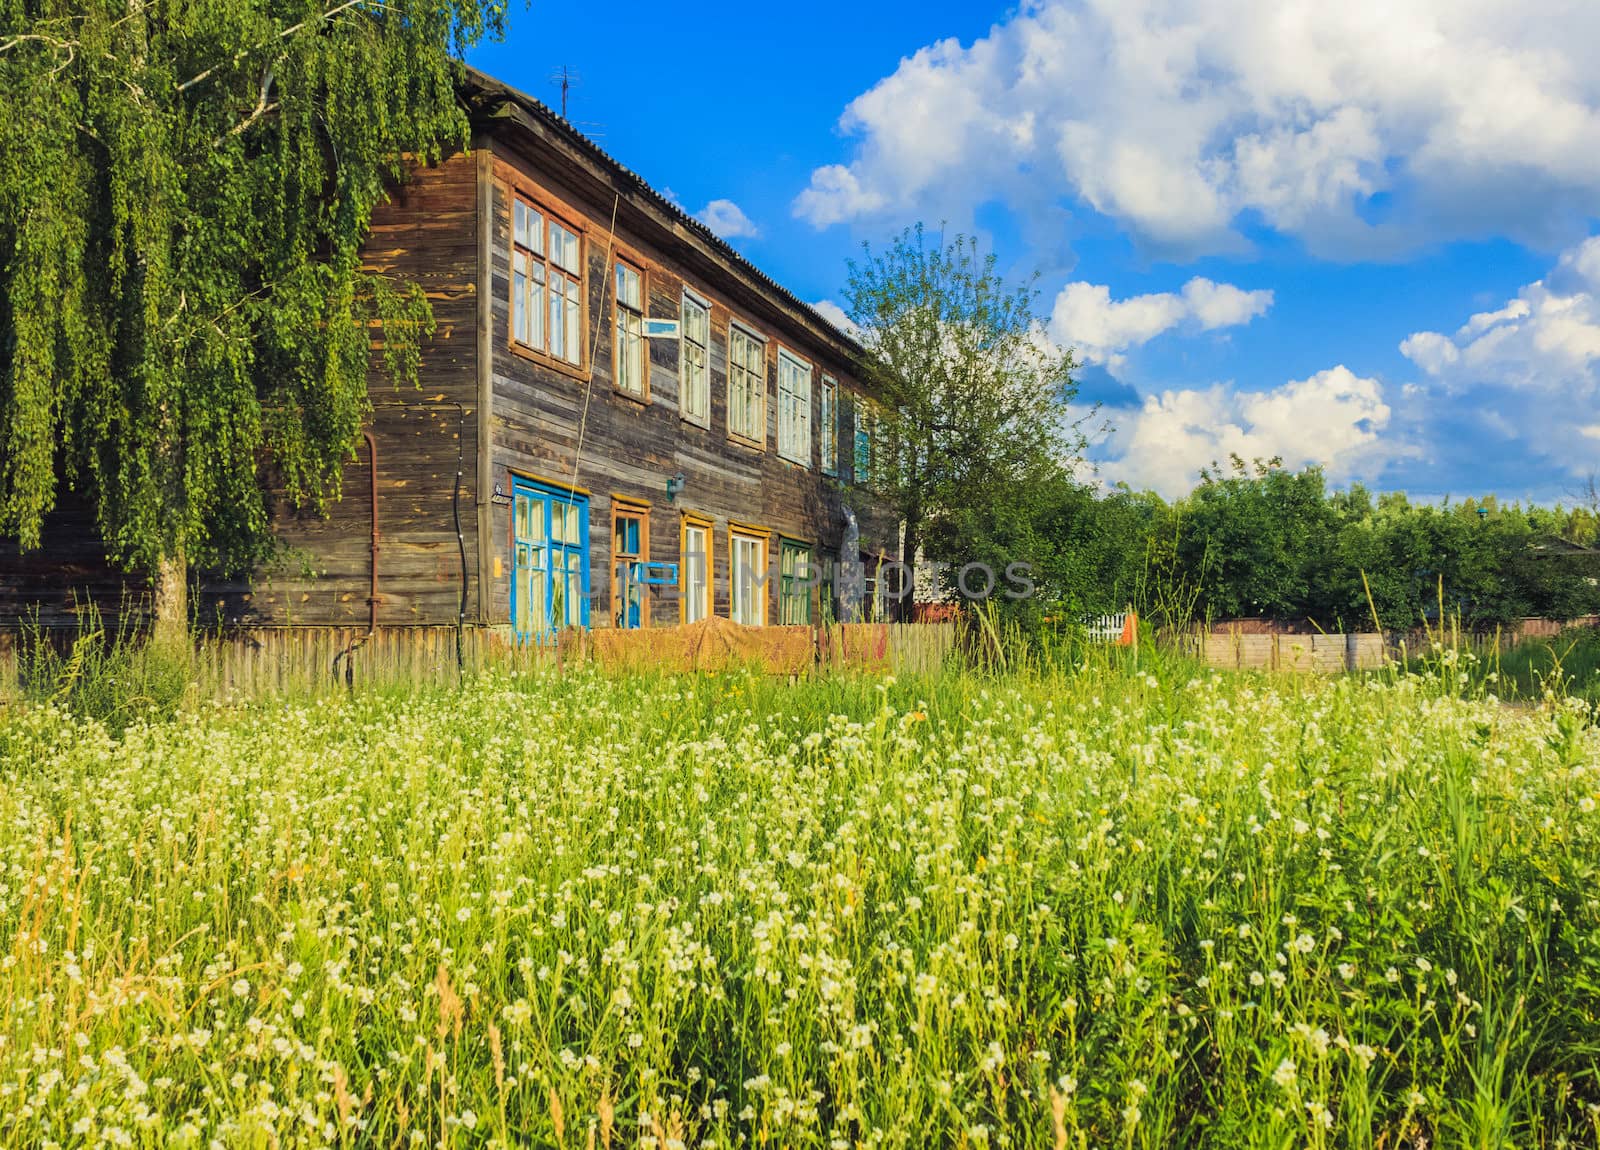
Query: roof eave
x=483, y=93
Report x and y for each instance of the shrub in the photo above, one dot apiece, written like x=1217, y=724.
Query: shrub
x=113, y=676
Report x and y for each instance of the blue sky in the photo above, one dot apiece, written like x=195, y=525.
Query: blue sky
x=1267, y=226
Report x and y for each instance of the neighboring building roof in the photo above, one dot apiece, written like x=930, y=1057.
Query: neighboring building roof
x=1555, y=545
x=481, y=85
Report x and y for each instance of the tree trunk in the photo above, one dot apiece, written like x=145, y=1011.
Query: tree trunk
x=172, y=597
x=906, y=607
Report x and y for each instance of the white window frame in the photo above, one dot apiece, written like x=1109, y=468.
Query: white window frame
x=747, y=577
x=752, y=427
x=629, y=355
x=828, y=437
x=794, y=407
x=694, y=370
x=546, y=284
x=695, y=570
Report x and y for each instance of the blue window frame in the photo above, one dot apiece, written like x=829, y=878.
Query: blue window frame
x=550, y=560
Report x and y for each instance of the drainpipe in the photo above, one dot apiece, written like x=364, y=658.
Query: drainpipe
x=372, y=594
x=372, y=480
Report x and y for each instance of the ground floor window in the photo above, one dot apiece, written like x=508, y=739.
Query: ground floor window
x=747, y=578
x=794, y=583
x=550, y=559
x=873, y=606
x=828, y=587
x=694, y=571
x=630, y=550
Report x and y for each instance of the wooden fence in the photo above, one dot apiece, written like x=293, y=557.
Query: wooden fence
x=274, y=660
x=1240, y=651
x=717, y=644
x=1110, y=628
x=278, y=660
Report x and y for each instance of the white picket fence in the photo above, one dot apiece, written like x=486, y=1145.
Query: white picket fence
x=1107, y=628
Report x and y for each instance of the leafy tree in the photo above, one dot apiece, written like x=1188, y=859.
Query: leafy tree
x=1091, y=550
x=185, y=186
x=1257, y=533
x=975, y=422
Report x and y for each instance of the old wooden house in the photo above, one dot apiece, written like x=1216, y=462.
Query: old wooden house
x=621, y=423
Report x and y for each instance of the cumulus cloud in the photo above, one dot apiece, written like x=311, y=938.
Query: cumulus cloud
x=1546, y=339
x=835, y=315
x=1527, y=372
x=1101, y=329
x=727, y=219
x=1334, y=419
x=1362, y=126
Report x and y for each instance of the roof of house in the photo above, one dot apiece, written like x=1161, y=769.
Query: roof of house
x=482, y=85
x=1556, y=545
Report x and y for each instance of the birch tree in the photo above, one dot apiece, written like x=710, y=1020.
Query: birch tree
x=185, y=186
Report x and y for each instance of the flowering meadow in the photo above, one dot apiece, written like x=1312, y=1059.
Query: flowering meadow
x=1100, y=908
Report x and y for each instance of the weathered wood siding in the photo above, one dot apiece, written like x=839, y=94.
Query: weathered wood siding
x=54, y=584
x=425, y=234
x=569, y=426
x=542, y=413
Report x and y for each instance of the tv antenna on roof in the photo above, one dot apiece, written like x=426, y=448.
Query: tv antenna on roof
x=566, y=77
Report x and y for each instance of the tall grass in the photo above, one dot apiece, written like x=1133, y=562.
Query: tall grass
x=112, y=675
x=1076, y=903
x=1568, y=663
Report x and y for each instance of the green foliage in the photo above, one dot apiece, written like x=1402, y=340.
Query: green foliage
x=1261, y=532
x=974, y=430
x=112, y=677
x=1261, y=541
x=1568, y=664
x=185, y=186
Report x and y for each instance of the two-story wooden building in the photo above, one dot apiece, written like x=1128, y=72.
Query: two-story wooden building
x=621, y=421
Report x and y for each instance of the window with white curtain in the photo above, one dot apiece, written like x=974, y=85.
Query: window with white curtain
x=794, y=408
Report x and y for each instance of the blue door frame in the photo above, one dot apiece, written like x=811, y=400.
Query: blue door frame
x=549, y=560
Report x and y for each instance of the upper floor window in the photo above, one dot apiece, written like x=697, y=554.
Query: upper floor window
x=629, y=369
x=829, y=429
x=747, y=385
x=863, y=442
x=695, y=360
x=794, y=408
x=546, y=285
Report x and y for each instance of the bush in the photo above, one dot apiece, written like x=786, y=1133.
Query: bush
x=1568, y=664
x=114, y=677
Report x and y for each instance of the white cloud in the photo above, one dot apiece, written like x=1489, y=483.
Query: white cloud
x=1335, y=419
x=727, y=219
x=1528, y=371
x=835, y=315
x=1086, y=318
x=836, y=195
x=1362, y=126
x=1547, y=339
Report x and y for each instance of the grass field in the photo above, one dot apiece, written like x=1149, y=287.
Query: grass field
x=1101, y=908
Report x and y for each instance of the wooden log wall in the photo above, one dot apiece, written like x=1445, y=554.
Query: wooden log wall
x=425, y=234
x=543, y=412
x=68, y=580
